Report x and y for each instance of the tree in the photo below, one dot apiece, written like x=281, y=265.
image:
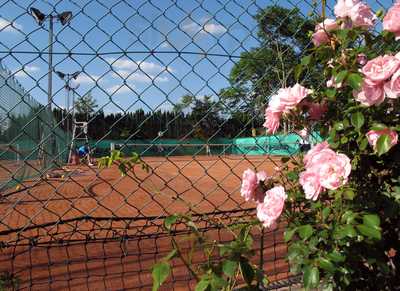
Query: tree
x=204, y=115
x=262, y=70
x=85, y=105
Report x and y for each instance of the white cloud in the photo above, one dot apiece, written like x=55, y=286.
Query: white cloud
x=165, y=107
x=24, y=71
x=8, y=26
x=120, y=89
x=213, y=28
x=139, y=71
x=165, y=44
x=145, y=66
x=86, y=79
x=204, y=27
x=139, y=76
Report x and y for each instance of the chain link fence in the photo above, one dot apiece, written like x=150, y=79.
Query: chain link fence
x=182, y=83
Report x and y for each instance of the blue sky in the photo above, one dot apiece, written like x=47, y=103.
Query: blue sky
x=101, y=31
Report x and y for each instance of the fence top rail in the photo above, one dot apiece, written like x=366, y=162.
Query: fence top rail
x=202, y=144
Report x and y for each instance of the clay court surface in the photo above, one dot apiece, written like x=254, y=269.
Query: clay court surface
x=84, y=214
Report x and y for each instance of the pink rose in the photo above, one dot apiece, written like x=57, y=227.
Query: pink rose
x=310, y=182
x=271, y=208
x=373, y=136
x=362, y=16
x=249, y=184
x=262, y=176
x=316, y=149
x=316, y=111
x=320, y=36
x=370, y=94
x=295, y=95
x=275, y=105
x=333, y=169
x=392, y=87
x=343, y=8
x=381, y=68
x=328, y=24
x=391, y=21
x=272, y=121
x=325, y=169
x=285, y=100
x=317, y=159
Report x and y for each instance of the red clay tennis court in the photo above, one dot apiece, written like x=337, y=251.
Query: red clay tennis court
x=95, y=230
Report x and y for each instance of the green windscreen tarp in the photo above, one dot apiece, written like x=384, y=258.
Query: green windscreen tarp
x=282, y=145
x=30, y=141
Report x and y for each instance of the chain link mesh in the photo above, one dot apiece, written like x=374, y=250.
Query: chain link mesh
x=184, y=84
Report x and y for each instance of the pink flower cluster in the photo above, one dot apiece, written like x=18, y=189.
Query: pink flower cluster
x=269, y=204
x=352, y=12
x=373, y=136
x=324, y=169
x=321, y=36
x=382, y=78
x=285, y=100
x=252, y=189
x=271, y=208
x=391, y=21
x=357, y=12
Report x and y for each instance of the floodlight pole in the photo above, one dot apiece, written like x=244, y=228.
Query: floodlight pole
x=67, y=78
x=50, y=70
x=64, y=18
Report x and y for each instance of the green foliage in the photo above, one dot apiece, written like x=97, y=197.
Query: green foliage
x=263, y=69
x=124, y=164
x=160, y=273
x=85, y=105
x=215, y=274
x=357, y=120
x=341, y=240
x=311, y=277
x=383, y=144
x=355, y=80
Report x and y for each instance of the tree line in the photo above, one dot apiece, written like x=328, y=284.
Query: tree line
x=192, y=118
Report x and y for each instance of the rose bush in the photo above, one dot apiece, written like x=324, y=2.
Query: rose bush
x=340, y=201
x=342, y=204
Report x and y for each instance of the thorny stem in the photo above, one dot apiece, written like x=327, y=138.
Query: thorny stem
x=187, y=265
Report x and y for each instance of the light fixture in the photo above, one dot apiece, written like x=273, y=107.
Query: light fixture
x=38, y=15
x=75, y=75
x=65, y=17
x=60, y=74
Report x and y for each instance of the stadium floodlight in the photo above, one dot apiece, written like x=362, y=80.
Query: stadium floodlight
x=68, y=78
x=38, y=15
x=65, y=17
x=60, y=74
x=75, y=75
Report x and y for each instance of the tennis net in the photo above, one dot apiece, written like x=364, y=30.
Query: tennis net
x=177, y=149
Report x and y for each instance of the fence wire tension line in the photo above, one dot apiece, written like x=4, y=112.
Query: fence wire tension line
x=183, y=84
